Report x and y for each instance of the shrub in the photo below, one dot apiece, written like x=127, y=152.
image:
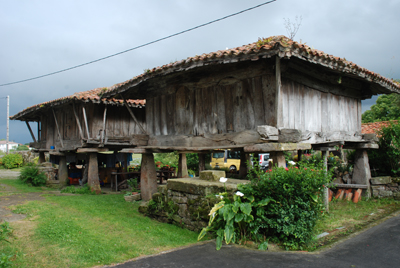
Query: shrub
x=386, y=159
x=282, y=204
x=12, y=160
x=30, y=175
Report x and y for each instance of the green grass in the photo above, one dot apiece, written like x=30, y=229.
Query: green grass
x=22, y=187
x=352, y=217
x=88, y=230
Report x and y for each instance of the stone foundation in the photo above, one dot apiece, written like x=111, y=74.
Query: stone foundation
x=385, y=187
x=186, y=202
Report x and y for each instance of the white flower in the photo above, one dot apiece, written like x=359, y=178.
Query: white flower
x=292, y=163
x=219, y=196
x=222, y=179
x=239, y=193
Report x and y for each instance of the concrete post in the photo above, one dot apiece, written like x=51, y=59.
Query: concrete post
x=361, y=171
x=63, y=170
x=182, y=167
x=278, y=159
x=148, y=177
x=42, y=158
x=202, y=162
x=93, y=173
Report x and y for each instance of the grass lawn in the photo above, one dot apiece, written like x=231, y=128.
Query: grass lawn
x=89, y=230
x=86, y=230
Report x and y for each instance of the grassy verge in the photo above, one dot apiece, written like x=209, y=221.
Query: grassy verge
x=87, y=230
x=346, y=218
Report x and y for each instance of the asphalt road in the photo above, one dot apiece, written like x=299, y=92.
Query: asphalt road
x=378, y=246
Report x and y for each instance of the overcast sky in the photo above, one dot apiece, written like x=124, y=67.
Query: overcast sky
x=40, y=37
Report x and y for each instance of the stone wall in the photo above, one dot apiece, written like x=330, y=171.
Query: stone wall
x=186, y=202
x=385, y=187
x=48, y=170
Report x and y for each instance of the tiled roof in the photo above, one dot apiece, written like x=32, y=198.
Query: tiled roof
x=263, y=48
x=375, y=127
x=85, y=96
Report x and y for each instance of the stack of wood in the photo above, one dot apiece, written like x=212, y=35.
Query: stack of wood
x=342, y=177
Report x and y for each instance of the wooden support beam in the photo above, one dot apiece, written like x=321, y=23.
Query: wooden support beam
x=30, y=130
x=276, y=147
x=132, y=115
x=78, y=122
x=86, y=123
x=278, y=93
x=58, y=129
x=361, y=145
x=92, y=150
x=104, y=126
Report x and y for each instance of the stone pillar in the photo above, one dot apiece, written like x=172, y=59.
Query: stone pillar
x=182, y=167
x=244, y=158
x=93, y=173
x=63, y=170
x=148, y=177
x=85, y=174
x=361, y=171
x=42, y=158
x=278, y=159
x=202, y=162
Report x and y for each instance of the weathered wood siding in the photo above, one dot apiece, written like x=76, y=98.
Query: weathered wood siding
x=308, y=109
x=241, y=105
x=119, y=124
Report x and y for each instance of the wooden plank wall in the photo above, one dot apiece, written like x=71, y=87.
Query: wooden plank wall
x=244, y=104
x=119, y=123
x=311, y=110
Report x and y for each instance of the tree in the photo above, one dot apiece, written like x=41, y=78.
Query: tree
x=387, y=108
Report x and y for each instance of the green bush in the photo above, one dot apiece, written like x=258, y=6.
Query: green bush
x=31, y=175
x=281, y=204
x=385, y=160
x=12, y=160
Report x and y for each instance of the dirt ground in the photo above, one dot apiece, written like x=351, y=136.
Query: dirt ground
x=9, y=198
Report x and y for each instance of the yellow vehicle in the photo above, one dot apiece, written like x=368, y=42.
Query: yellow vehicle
x=226, y=159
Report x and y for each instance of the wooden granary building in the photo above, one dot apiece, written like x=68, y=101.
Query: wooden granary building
x=269, y=96
x=85, y=123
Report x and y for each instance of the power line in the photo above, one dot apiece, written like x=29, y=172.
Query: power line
x=146, y=44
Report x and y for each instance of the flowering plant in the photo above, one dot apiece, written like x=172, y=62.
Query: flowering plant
x=230, y=218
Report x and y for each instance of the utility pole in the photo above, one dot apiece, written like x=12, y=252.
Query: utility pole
x=8, y=122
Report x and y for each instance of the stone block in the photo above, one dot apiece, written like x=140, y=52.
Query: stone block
x=182, y=211
x=212, y=175
x=176, y=218
x=381, y=180
x=202, y=187
x=180, y=199
x=143, y=207
x=396, y=195
x=162, y=189
x=385, y=193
